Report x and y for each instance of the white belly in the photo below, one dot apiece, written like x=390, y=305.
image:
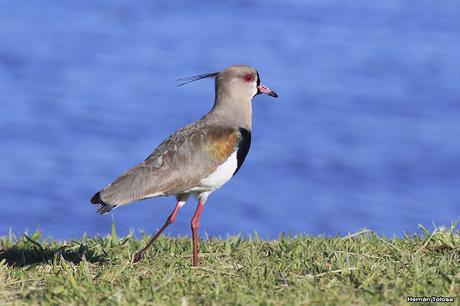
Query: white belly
x=222, y=174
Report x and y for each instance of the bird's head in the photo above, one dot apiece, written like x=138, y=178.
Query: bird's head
x=237, y=80
x=243, y=80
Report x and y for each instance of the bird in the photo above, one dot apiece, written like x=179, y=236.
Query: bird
x=197, y=159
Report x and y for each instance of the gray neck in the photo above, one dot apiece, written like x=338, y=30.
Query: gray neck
x=231, y=109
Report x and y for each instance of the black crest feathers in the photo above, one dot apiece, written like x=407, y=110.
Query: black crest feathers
x=194, y=78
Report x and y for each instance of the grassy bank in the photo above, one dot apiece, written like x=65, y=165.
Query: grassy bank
x=357, y=269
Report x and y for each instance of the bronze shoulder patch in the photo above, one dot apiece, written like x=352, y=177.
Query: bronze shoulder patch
x=221, y=143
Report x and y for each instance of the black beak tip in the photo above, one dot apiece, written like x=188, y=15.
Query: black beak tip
x=273, y=94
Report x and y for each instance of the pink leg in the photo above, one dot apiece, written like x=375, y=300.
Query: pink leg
x=139, y=254
x=195, y=224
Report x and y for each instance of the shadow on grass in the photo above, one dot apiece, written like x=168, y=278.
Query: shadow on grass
x=21, y=255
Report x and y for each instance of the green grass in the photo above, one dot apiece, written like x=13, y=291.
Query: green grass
x=359, y=269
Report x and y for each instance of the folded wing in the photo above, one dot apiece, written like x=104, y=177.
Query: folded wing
x=176, y=166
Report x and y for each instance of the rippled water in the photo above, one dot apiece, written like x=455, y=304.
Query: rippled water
x=365, y=132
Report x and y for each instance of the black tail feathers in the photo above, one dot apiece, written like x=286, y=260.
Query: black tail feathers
x=102, y=207
x=96, y=199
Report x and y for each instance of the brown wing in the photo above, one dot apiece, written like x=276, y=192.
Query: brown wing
x=178, y=164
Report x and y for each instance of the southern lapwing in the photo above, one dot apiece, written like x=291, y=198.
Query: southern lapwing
x=197, y=159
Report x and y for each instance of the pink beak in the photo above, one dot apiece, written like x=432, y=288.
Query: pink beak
x=264, y=89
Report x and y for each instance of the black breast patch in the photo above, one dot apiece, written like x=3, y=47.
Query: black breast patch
x=243, y=147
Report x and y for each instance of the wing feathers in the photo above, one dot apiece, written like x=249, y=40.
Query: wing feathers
x=177, y=165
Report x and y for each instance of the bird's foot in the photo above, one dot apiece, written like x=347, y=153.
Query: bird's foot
x=137, y=256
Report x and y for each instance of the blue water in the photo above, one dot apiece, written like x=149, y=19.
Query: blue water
x=365, y=132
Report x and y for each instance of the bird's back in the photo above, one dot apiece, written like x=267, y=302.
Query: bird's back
x=179, y=165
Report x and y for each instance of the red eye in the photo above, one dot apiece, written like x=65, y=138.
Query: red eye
x=248, y=78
